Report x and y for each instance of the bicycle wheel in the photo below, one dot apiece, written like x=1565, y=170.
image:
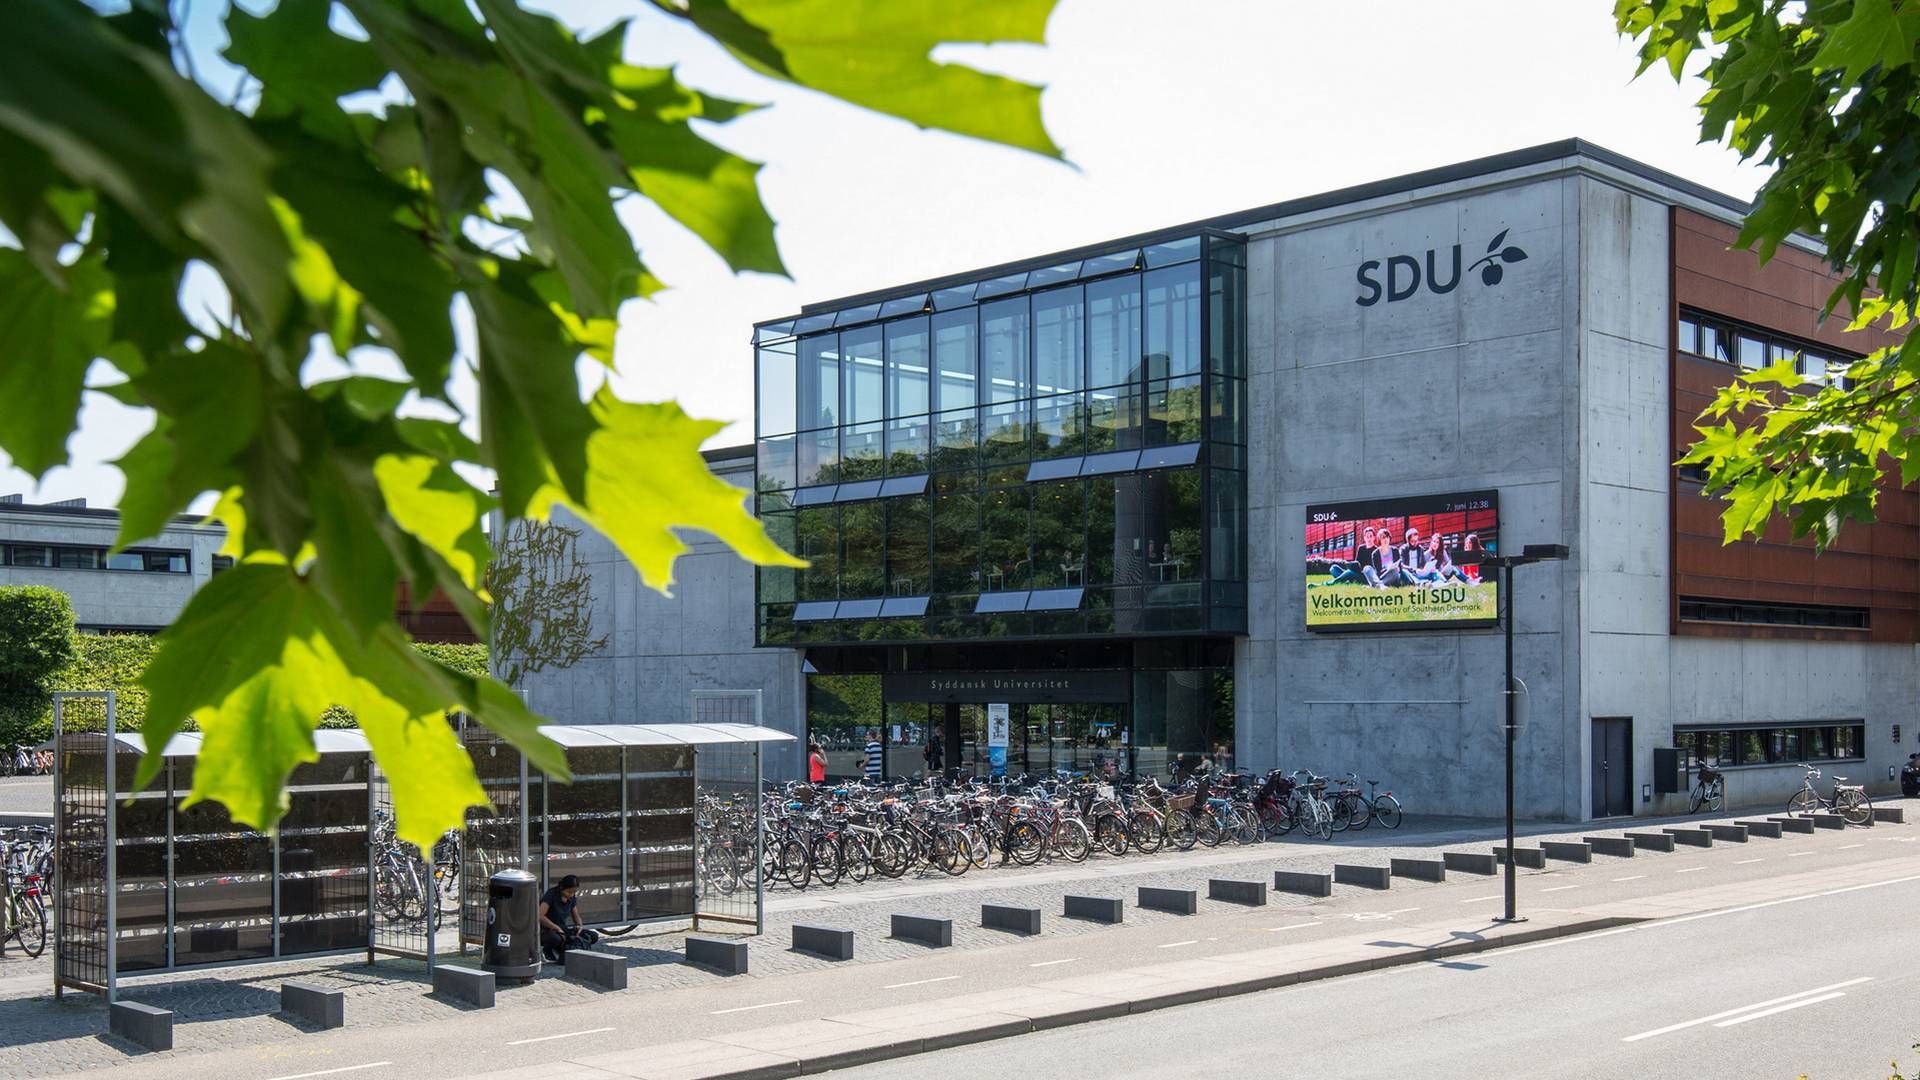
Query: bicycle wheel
x=1110, y=832
x=1245, y=829
x=1322, y=820
x=719, y=868
x=1146, y=832
x=1341, y=812
x=1206, y=829
x=1716, y=794
x=1360, y=812
x=856, y=859
x=1696, y=797
x=30, y=927
x=1025, y=843
x=826, y=860
x=1803, y=802
x=979, y=846
x=1854, y=806
x=1387, y=809
x=950, y=852
x=891, y=856
x=1180, y=830
x=795, y=865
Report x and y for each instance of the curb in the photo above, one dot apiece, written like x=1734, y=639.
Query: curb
x=746, y=1056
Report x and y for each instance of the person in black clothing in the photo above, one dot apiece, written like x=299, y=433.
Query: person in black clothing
x=559, y=923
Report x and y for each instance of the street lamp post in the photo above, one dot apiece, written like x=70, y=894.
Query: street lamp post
x=1532, y=553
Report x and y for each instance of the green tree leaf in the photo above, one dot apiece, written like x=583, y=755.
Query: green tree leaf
x=52, y=335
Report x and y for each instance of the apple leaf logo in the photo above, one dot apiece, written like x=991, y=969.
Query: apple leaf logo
x=1491, y=270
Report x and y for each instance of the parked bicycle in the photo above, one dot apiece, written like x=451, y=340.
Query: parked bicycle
x=1850, y=801
x=26, y=866
x=1709, y=789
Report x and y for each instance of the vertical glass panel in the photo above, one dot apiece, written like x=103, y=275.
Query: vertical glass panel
x=1173, y=522
x=1713, y=343
x=1113, y=331
x=863, y=551
x=908, y=554
x=819, y=453
x=1113, y=419
x=956, y=358
x=863, y=451
x=1007, y=561
x=1226, y=410
x=1172, y=324
x=1753, y=352
x=817, y=531
x=1686, y=336
x=776, y=463
x=956, y=541
x=1003, y=432
x=1057, y=340
x=956, y=440
x=1173, y=412
x=907, y=367
x=1057, y=424
x=1059, y=534
x=1117, y=512
x=778, y=412
x=1227, y=322
x=819, y=381
x=1004, y=349
x=861, y=375
x=907, y=442
x=780, y=584
x=1227, y=518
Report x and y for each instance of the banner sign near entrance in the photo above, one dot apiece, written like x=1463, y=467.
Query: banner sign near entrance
x=1405, y=562
x=999, y=725
x=1025, y=687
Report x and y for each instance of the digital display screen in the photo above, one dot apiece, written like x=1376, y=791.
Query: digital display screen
x=1398, y=563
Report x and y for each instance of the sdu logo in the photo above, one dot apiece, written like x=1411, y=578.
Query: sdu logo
x=1400, y=285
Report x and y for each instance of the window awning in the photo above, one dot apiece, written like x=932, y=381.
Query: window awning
x=353, y=741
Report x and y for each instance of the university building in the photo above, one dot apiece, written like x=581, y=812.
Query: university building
x=1219, y=490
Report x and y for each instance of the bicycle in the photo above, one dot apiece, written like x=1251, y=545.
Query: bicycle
x=1708, y=791
x=26, y=864
x=1850, y=801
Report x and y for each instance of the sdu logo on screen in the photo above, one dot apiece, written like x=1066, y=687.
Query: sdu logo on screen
x=1404, y=277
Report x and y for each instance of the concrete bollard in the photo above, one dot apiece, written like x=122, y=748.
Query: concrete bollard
x=1418, y=869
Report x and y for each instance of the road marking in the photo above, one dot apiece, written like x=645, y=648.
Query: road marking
x=1630, y=877
x=1480, y=899
x=1289, y=926
x=565, y=1035
x=1402, y=911
x=1743, y=862
x=921, y=982
x=1744, y=1009
x=767, y=1005
x=1177, y=944
x=1799, y=854
x=1844, y=847
x=1781, y=1008
x=1050, y=963
x=330, y=1072
x=1560, y=888
x=1690, y=870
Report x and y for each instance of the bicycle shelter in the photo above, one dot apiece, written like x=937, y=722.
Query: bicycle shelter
x=647, y=804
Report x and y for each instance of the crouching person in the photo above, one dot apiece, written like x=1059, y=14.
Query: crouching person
x=560, y=927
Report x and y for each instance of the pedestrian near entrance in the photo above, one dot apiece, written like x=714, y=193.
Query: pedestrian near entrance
x=876, y=754
x=935, y=753
x=816, y=763
x=560, y=927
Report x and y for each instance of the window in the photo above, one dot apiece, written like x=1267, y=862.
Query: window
x=1003, y=348
x=1173, y=322
x=1113, y=331
x=860, y=375
x=1786, y=743
x=1057, y=340
x=29, y=555
x=1752, y=347
x=1701, y=609
x=225, y=562
x=779, y=381
x=954, y=349
x=819, y=381
x=126, y=560
x=1752, y=352
x=907, y=367
x=89, y=559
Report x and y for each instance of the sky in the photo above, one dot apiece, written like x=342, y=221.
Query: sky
x=1168, y=111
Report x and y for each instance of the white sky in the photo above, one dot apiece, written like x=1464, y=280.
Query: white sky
x=1168, y=111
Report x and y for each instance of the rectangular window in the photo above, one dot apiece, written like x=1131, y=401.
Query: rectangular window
x=1113, y=419
x=778, y=411
x=73, y=558
x=819, y=381
x=907, y=367
x=861, y=375
x=29, y=555
x=1057, y=426
x=1775, y=745
x=817, y=531
x=1113, y=331
x=1172, y=323
x=955, y=349
x=1686, y=337
x=126, y=560
x=819, y=453
x=225, y=562
x=1704, y=609
x=956, y=440
x=908, y=554
x=1004, y=349
x=1752, y=352
x=1713, y=342
x=1057, y=340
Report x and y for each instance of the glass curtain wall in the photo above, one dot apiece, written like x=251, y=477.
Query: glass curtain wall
x=1060, y=452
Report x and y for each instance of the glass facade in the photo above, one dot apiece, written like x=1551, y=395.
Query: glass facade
x=1054, y=453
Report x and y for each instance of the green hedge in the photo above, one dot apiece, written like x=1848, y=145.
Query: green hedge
x=115, y=661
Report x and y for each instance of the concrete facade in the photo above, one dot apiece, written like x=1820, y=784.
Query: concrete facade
x=1552, y=386
x=110, y=599
x=662, y=648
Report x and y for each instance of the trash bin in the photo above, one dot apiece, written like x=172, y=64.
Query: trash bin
x=513, y=925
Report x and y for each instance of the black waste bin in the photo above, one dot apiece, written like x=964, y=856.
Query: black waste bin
x=513, y=925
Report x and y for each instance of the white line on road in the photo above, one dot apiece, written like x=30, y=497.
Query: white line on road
x=1290, y=926
x=1844, y=847
x=562, y=1035
x=1177, y=944
x=1402, y=911
x=1629, y=877
x=1480, y=899
x=1690, y=870
x=1560, y=888
x=1050, y=963
x=921, y=982
x=330, y=1072
x=766, y=1005
x=1743, y=862
x=1781, y=1008
x=1670, y=1028
x=1799, y=854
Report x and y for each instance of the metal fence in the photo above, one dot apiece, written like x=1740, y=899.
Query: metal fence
x=403, y=898
x=730, y=847
x=83, y=831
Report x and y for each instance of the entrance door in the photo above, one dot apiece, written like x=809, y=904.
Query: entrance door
x=1612, y=766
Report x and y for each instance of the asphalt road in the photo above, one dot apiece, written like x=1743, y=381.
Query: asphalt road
x=1823, y=988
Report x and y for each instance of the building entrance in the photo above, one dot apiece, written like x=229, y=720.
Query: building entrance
x=1089, y=737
